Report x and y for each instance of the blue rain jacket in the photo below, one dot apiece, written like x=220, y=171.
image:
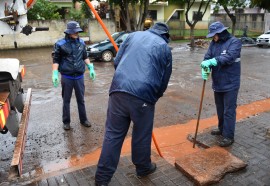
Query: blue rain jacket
x=70, y=55
x=143, y=66
x=227, y=52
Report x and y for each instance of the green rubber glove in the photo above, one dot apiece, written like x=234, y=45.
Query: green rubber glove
x=55, y=78
x=208, y=63
x=205, y=73
x=91, y=71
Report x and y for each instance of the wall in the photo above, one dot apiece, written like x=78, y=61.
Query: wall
x=96, y=31
x=56, y=31
x=170, y=9
x=267, y=22
x=160, y=11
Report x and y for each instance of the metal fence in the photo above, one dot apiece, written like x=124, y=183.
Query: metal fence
x=180, y=29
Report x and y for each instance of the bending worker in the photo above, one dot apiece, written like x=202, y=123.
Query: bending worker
x=223, y=59
x=143, y=68
x=69, y=58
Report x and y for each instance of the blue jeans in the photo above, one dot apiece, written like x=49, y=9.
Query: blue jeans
x=226, y=103
x=67, y=87
x=122, y=109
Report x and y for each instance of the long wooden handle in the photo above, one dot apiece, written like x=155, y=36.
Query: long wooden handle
x=199, y=115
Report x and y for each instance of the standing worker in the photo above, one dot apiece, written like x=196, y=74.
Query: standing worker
x=223, y=59
x=143, y=67
x=70, y=57
x=245, y=29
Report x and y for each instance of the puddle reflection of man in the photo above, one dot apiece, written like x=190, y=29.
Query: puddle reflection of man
x=223, y=59
x=143, y=68
x=70, y=57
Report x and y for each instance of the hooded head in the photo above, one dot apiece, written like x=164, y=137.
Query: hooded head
x=73, y=27
x=216, y=28
x=162, y=29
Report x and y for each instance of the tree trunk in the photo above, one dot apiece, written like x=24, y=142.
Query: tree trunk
x=127, y=16
x=191, y=23
x=145, y=11
x=232, y=17
x=192, y=39
x=134, y=18
x=233, y=26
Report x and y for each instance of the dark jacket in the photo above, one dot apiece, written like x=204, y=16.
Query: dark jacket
x=70, y=55
x=143, y=66
x=227, y=52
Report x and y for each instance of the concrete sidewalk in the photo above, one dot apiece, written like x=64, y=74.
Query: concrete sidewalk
x=252, y=145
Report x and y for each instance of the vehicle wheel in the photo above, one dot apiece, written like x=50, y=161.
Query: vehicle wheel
x=13, y=123
x=107, y=56
x=4, y=130
x=19, y=103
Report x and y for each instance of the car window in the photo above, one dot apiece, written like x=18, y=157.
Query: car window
x=123, y=37
x=267, y=32
x=114, y=36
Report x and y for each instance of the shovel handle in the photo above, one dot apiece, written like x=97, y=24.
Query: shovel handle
x=199, y=115
x=155, y=142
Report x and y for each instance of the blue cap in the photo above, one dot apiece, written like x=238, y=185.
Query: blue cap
x=215, y=28
x=73, y=27
x=161, y=27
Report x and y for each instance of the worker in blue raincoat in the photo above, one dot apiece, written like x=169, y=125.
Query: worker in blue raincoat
x=223, y=59
x=70, y=58
x=143, y=67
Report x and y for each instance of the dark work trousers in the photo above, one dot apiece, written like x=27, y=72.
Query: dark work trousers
x=67, y=87
x=122, y=109
x=226, y=103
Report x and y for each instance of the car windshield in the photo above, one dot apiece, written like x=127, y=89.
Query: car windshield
x=114, y=36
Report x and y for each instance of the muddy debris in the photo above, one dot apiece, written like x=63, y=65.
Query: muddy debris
x=202, y=43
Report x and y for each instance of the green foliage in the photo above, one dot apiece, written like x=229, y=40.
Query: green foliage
x=265, y=4
x=119, y=2
x=231, y=3
x=75, y=14
x=86, y=10
x=43, y=10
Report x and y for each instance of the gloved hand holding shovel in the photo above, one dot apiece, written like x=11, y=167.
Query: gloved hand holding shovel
x=208, y=63
x=205, y=73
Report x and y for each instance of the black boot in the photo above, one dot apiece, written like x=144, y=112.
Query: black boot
x=225, y=142
x=66, y=126
x=86, y=123
x=150, y=171
x=216, y=132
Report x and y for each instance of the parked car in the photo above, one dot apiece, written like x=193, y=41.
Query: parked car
x=104, y=50
x=264, y=39
x=247, y=41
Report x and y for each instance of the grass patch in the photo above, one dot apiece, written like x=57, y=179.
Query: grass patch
x=84, y=34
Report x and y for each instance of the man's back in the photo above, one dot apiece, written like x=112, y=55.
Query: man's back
x=142, y=62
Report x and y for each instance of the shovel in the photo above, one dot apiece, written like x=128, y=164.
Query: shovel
x=199, y=115
x=156, y=144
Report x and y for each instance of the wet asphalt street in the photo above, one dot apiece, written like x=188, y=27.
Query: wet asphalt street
x=47, y=142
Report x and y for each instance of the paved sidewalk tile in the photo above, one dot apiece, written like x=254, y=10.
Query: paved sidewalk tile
x=166, y=174
x=252, y=145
